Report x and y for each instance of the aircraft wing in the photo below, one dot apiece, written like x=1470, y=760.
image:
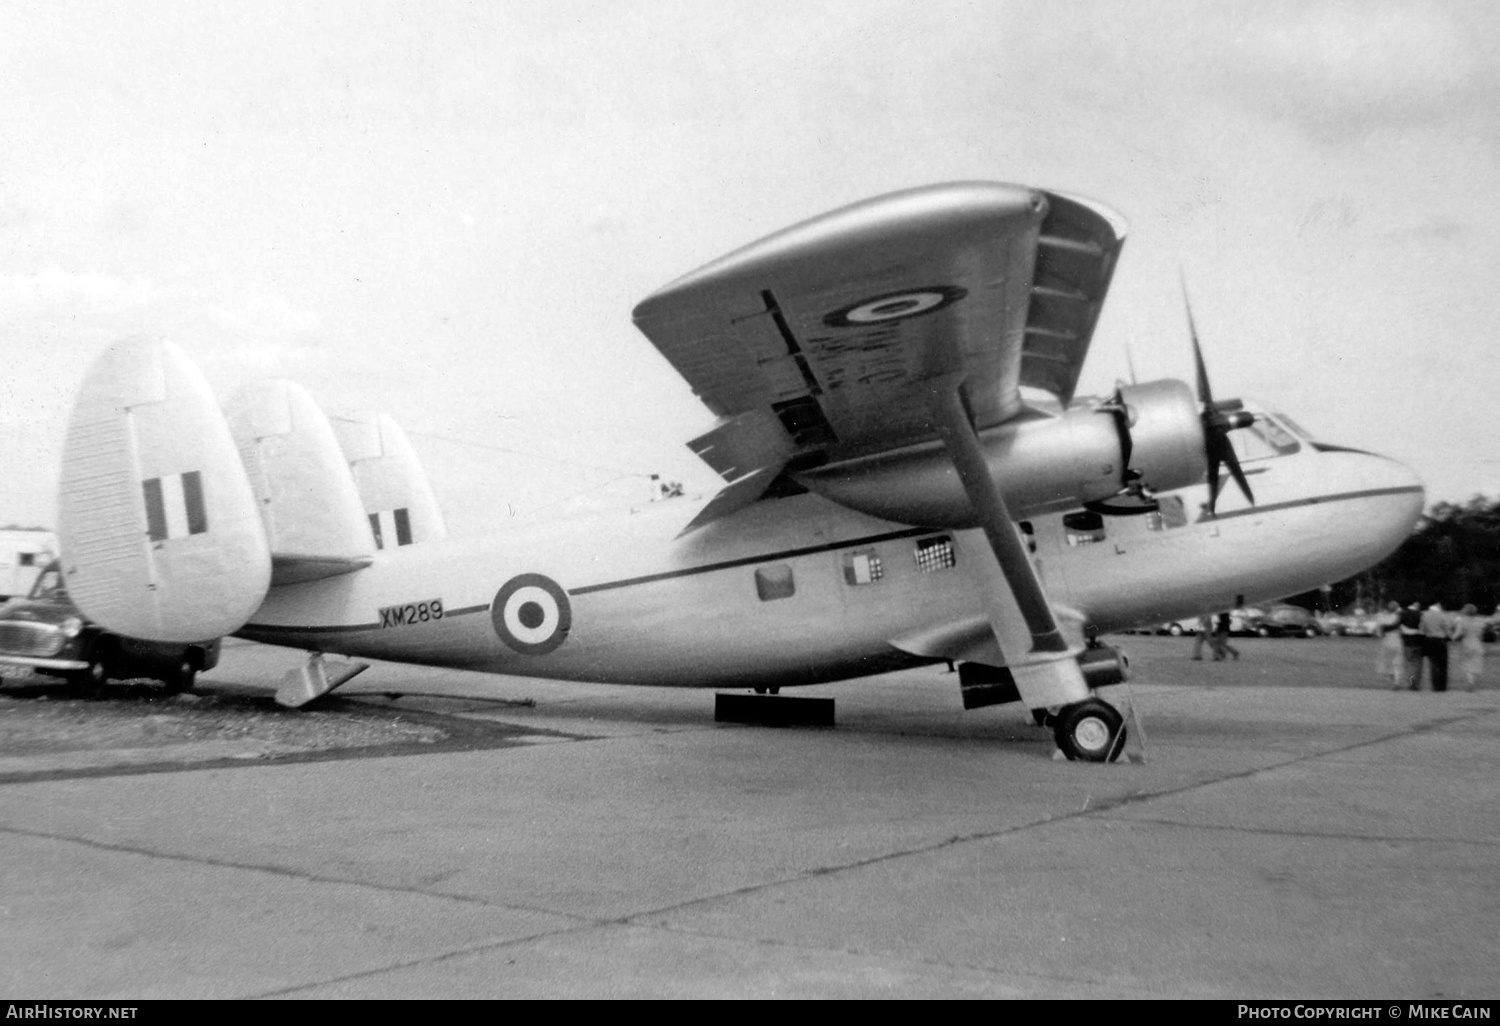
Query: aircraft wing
x=814, y=344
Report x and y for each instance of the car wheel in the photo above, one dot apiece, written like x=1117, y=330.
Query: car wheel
x=1175, y=630
x=1264, y=632
x=182, y=677
x=92, y=678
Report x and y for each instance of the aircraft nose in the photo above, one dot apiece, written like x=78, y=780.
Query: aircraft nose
x=1399, y=498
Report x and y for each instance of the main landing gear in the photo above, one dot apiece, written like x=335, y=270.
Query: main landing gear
x=1087, y=731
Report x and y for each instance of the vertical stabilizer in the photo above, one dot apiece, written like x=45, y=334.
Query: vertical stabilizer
x=306, y=494
x=398, y=502
x=158, y=527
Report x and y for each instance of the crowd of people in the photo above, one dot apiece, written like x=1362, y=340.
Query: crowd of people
x=1412, y=637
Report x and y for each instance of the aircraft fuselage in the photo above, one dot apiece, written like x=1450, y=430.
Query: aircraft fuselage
x=799, y=590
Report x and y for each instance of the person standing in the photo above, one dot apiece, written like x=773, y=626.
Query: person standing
x=1471, y=628
x=1388, y=662
x=1411, y=646
x=1221, y=645
x=1437, y=630
x=1205, y=628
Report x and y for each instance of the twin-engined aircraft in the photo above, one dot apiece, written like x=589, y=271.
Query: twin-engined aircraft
x=891, y=496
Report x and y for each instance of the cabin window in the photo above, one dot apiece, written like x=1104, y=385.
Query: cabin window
x=28, y=558
x=1083, y=528
x=774, y=582
x=934, y=554
x=1169, y=514
x=1029, y=533
x=863, y=567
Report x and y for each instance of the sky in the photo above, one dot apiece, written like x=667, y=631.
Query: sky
x=446, y=211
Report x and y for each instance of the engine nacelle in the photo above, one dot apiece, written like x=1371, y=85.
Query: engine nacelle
x=1043, y=464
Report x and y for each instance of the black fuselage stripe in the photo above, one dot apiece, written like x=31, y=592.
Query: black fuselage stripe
x=1314, y=501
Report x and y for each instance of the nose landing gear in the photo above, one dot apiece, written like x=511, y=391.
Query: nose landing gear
x=1090, y=731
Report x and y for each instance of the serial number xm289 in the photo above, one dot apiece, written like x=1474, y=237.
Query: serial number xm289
x=891, y=496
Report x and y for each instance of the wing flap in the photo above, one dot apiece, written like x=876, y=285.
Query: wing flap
x=1077, y=249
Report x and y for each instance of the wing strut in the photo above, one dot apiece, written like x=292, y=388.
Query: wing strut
x=1048, y=674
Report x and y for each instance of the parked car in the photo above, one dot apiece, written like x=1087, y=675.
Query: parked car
x=1352, y=624
x=45, y=633
x=1281, y=620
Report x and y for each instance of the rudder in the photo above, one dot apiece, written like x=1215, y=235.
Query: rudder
x=158, y=526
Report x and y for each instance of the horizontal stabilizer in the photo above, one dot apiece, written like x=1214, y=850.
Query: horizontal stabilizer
x=398, y=502
x=292, y=569
x=159, y=529
x=314, y=521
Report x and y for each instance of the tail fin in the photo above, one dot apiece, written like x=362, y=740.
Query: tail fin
x=398, y=501
x=159, y=529
x=309, y=505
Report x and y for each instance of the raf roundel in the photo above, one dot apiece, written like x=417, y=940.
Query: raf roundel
x=531, y=614
x=895, y=306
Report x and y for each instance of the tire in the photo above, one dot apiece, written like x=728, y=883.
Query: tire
x=1309, y=632
x=1090, y=731
x=183, y=676
x=1264, y=632
x=1044, y=717
x=90, y=681
x=1175, y=630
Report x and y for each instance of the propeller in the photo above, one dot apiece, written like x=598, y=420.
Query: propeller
x=1219, y=418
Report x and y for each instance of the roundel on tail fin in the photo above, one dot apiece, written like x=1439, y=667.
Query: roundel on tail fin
x=159, y=530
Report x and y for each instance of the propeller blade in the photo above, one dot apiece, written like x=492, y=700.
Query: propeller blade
x=1219, y=418
x=1205, y=392
x=1238, y=474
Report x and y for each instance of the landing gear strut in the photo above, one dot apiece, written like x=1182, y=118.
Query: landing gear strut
x=1090, y=731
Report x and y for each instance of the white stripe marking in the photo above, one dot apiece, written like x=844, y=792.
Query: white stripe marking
x=174, y=505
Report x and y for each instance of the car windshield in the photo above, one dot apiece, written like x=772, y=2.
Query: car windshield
x=49, y=584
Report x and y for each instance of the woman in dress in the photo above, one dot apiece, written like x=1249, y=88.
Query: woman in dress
x=1388, y=655
x=1470, y=633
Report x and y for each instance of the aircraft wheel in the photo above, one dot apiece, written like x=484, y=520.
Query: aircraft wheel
x=1090, y=731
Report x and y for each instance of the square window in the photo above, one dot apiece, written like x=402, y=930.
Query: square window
x=774, y=582
x=863, y=567
x=934, y=554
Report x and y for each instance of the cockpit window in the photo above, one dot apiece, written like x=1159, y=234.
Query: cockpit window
x=49, y=584
x=1263, y=440
x=1294, y=427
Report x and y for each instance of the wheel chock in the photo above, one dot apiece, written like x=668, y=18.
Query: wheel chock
x=773, y=710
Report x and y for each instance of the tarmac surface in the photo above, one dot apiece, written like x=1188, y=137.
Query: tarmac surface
x=1291, y=828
